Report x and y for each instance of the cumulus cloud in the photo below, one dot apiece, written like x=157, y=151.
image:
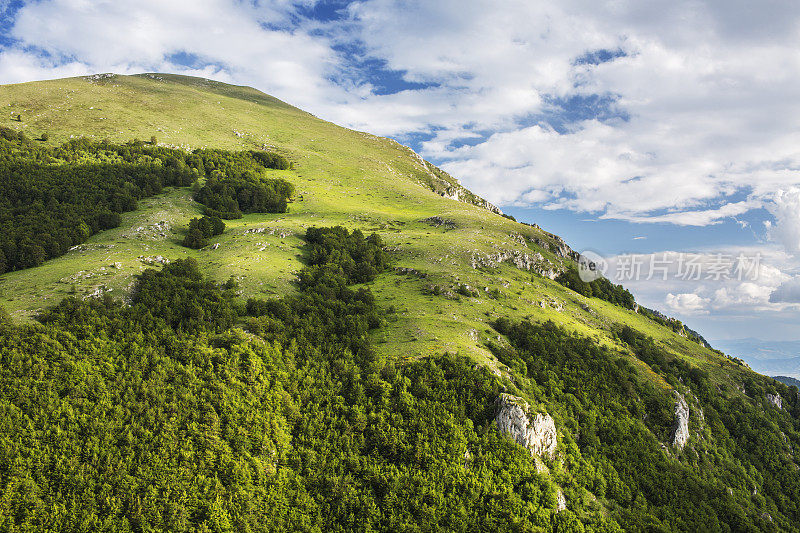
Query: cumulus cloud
x=785, y=207
x=686, y=303
x=723, y=285
x=787, y=292
x=223, y=38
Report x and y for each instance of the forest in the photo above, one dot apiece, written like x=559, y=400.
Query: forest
x=54, y=198
x=598, y=288
x=620, y=421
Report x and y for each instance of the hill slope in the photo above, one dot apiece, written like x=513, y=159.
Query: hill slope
x=342, y=177
x=463, y=280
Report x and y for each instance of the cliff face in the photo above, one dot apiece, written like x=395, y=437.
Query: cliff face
x=776, y=400
x=680, y=431
x=538, y=435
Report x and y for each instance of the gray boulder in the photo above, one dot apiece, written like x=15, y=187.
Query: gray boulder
x=538, y=434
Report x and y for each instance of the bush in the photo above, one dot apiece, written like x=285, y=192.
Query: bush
x=195, y=239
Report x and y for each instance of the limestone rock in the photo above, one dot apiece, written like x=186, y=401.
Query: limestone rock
x=538, y=435
x=680, y=431
x=561, y=501
x=776, y=400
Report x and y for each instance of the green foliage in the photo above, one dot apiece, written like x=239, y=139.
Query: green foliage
x=599, y=288
x=231, y=197
x=195, y=239
x=202, y=229
x=672, y=323
x=238, y=185
x=618, y=421
x=338, y=257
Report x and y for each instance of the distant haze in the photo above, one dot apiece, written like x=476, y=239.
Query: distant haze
x=765, y=357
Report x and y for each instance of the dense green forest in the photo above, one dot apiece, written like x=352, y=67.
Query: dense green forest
x=235, y=185
x=201, y=229
x=620, y=420
x=54, y=198
x=599, y=288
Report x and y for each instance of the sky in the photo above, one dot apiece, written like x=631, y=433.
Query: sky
x=663, y=129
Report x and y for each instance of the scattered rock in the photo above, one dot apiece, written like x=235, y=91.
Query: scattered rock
x=155, y=260
x=521, y=260
x=270, y=231
x=98, y=292
x=518, y=238
x=539, y=435
x=156, y=231
x=438, y=221
x=410, y=272
x=680, y=431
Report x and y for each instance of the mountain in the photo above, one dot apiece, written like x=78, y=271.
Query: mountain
x=350, y=339
x=792, y=382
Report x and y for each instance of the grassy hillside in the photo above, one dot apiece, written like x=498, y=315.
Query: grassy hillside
x=457, y=266
x=342, y=177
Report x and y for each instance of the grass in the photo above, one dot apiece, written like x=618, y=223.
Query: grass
x=342, y=177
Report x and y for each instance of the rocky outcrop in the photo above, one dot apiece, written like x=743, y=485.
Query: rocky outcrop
x=538, y=435
x=561, y=501
x=521, y=260
x=438, y=221
x=558, y=246
x=680, y=430
x=776, y=400
x=155, y=260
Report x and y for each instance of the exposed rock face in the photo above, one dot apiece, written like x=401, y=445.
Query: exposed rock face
x=561, y=501
x=558, y=247
x=445, y=185
x=538, y=435
x=776, y=400
x=521, y=260
x=680, y=431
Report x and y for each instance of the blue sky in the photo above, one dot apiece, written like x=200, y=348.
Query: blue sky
x=626, y=127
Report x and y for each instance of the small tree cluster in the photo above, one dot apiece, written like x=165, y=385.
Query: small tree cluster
x=202, y=229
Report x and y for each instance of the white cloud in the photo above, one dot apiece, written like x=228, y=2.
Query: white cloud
x=735, y=282
x=686, y=303
x=787, y=292
x=709, y=88
x=785, y=207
